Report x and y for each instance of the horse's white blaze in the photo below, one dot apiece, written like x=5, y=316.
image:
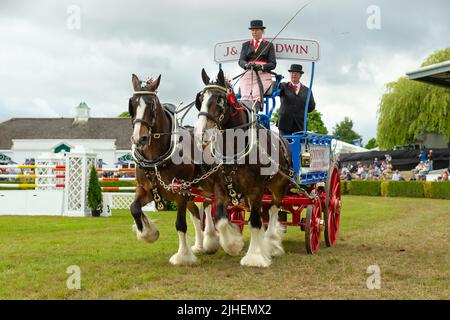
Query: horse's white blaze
x=201, y=122
x=198, y=246
x=184, y=254
x=229, y=236
x=257, y=254
x=211, y=239
x=139, y=115
x=273, y=233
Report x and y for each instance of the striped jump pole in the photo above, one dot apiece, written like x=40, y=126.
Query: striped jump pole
x=32, y=176
x=33, y=166
x=118, y=188
x=116, y=170
x=117, y=179
x=30, y=185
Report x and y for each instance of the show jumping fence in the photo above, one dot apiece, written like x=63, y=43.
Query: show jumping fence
x=57, y=193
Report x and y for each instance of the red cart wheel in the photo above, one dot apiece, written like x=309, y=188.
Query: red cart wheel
x=312, y=227
x=332, y=213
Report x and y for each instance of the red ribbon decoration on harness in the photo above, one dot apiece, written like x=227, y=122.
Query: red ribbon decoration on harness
x=232, y=100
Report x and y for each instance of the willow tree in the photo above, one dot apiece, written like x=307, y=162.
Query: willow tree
x=410, y=108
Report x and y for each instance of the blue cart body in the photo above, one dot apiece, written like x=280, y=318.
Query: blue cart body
x=317, y=145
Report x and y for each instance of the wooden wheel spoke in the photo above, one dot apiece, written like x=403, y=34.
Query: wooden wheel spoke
x=332, y=207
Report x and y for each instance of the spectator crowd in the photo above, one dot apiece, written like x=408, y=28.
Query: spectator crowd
x=384, y=170
x=377, y=170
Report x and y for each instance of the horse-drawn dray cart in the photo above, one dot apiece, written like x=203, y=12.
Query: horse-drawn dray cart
x=315, y=182
x=303, y=176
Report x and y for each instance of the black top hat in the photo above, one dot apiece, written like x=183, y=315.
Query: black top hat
x=256, y=24
x=296, y=68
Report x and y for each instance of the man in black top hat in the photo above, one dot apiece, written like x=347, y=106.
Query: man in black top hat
x=293, y=101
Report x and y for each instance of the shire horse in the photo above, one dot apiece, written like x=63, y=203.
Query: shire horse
x=218, y=110
x=151, y=143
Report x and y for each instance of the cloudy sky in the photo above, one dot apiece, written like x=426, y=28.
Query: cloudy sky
x=48, y=65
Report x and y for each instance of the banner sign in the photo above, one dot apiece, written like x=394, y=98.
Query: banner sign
x=285, y=49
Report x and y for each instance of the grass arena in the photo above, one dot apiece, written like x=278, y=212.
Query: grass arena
x=208, y=169
x=406, y=238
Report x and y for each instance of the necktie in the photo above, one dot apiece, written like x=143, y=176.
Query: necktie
x=256, y=45
x=296, y=89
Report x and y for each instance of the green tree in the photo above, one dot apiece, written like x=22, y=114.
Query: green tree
x=275, y=116
x=95, y=200
x=315, y=122
x=371, y=144
x=344, y=131
x=125, y=114
x=410, y=108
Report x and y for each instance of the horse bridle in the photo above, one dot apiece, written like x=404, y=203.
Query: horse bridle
x=138, y=157
x=143, y=121
x=218, y=121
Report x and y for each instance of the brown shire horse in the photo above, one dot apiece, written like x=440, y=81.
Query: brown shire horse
x=151, y=140
x=218, y=111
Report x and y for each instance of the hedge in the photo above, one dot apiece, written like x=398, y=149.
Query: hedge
x=438, y=190
x=416, y=189
x=363, y=188
x=409, y=189
x=344, y=187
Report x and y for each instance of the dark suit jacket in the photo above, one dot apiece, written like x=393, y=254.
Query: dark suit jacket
x=248, y=53
x=292, y=109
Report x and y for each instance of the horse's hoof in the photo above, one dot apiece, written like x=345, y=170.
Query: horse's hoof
x=211, y=243
x=255, y=260
x=234, y=247
x=183, y=259
x=146, y=235
x=274, y=245
x=230, y=238
x=197, y=249
x=276, y=249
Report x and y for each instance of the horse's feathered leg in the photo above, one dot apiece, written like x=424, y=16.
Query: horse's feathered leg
x=144, y=227
x=195, y=218
x=229, y=235
x=279, y=187
x=211, y=239
x=258, y=254
x=273, y=233
x=184, y=254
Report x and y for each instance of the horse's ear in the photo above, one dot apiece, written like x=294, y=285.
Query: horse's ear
x=136, y=82
x=130, y=109
x=221, y=78
x=155, y=84
x=198, y=103
x=205, y=77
